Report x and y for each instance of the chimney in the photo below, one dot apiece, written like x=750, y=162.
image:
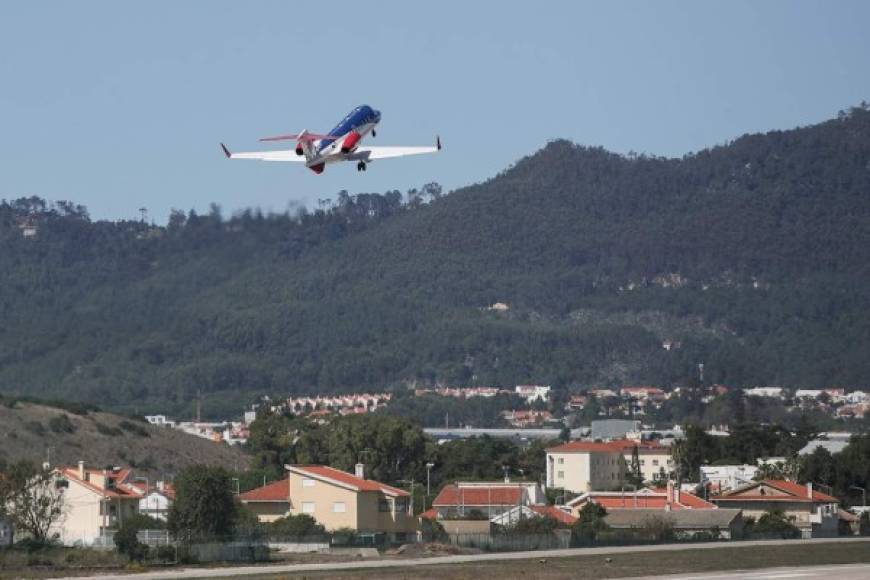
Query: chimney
x=82, y=470
x=670, y=498
x=360, y=470
x=810, y=489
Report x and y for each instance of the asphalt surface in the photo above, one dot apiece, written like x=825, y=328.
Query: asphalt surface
x=831, y=572
x=843, y=572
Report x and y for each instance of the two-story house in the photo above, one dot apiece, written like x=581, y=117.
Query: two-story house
x=94, y=500
x=337, y=499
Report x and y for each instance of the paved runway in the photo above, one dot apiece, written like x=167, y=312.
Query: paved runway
x=844, y=572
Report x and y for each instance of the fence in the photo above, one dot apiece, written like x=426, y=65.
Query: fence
x=512, y=542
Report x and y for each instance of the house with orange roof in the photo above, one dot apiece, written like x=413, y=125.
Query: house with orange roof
x=584, y=466
x=461, y=499
x=813, y=512
x=94, y=501
x=338, y=499
x=668, y=498
x=269, y=502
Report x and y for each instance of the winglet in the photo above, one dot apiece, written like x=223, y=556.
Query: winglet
x=438, y=142
x=226, y=151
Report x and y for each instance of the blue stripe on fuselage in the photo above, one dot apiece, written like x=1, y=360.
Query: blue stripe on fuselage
x=359, y=116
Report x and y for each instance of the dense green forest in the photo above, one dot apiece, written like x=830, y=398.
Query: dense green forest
x=751, y=257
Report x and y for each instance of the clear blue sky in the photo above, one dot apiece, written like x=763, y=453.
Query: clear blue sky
x=119, y=105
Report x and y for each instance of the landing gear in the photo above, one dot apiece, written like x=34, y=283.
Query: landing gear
x=361, y=166
x=374, y=133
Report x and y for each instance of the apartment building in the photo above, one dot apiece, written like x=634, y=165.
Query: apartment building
x=583, y=466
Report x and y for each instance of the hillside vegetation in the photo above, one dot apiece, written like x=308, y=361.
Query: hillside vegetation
x=40, y=432
x=751, y=257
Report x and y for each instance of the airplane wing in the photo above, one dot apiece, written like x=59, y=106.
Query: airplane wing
x=282, y=155
x=371, y=153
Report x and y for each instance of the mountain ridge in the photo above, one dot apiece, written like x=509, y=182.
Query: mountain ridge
x=751, y=255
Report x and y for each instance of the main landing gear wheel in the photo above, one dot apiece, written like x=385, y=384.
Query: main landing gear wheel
x=361, y=166
x=374, y=133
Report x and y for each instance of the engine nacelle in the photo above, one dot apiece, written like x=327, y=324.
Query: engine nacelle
x=350, y=142
x=299, y=150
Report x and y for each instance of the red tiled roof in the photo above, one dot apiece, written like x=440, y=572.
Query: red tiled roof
x=275, y=491
x=555, y=513
x=453, y=495
x=430, y=514
x=645, y=499
x=690, y=500
x=348, y=479
x=121, y=490
x=795, y=491
x=619, y=446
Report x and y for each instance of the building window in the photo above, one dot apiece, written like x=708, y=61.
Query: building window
x=307, y=482
x=561, y=460
x=642, y=462
x=339, y=507
x=560, y=474
x=401, y=504
x=384, y=505
x=655, y=462
x=307, y=507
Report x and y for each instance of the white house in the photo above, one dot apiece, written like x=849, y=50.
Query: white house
x=772, y=392
x=94, y=500
x=532, y=393
x=157, y=501
x=726, y=477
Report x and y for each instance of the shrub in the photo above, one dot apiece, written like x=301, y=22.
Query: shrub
x=106, y=430
x=35, y=427
x=296, y=527
x=61, y=424
x=134, y=428
x=166, y=554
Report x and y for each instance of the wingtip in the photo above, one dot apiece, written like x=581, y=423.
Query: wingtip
x=226, y=151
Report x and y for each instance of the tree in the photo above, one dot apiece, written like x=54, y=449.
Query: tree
x=204, y=505
x=635, y=476
x=32, y=499
x=589, y=525
x=126, y=537
x=773, y=523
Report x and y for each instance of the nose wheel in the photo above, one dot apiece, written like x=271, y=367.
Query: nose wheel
x=374, y=133
x=361, y=166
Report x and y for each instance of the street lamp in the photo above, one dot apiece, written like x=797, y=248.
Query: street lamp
x=429, y=467
x=863, y=492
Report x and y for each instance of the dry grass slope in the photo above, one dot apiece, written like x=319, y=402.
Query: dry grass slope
x=31, y=431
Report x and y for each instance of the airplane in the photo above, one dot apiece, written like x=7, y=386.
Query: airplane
x=343, y=143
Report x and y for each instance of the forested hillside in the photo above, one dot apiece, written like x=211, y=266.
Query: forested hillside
x=752, y=258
